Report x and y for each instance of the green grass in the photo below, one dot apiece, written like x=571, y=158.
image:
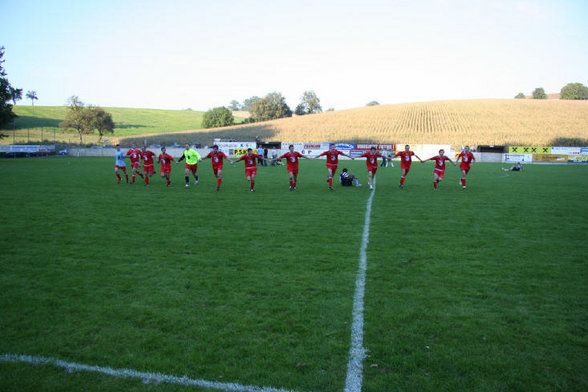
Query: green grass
x=482, y=289
x=129, y=122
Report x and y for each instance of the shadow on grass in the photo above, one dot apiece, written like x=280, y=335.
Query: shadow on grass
x=23, y=122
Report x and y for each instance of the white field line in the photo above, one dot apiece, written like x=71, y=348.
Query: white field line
x=145, y=377
x=357, y=352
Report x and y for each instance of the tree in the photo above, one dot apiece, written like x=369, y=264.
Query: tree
x=539, y=93
x=310, y=103
x=32, y=95
x=218, y=117
x=75, y=117
x=299, y=111
x=248, y=103
x=520, y=96
x=6, y=114
x=373, y=103
x=95, y=118
x=271, y=107
x=15, y=94
x=574, y=91
x=234, y=106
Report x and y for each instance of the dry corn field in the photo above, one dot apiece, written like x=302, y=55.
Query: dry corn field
x=474, y=122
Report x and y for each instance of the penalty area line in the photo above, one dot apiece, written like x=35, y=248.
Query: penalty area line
x=144, y=376
x=357, y=352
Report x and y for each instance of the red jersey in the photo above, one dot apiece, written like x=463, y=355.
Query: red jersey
x=466, y=159
x=135, y=155
x=439, y=162
x=372, y=160
x=405, y=157
x=217, y=158
x=332, y=157
x=147, y=157
x=250, y=161
x=166, y=160
x=292, y=158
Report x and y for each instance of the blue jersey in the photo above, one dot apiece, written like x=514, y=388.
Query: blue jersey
x=119, y=156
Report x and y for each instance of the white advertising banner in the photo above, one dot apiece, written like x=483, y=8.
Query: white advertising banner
x=566, y=150
x=514, y=158
x=236, y=148
x=307, y=148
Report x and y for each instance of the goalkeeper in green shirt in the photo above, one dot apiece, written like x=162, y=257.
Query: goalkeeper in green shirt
x=192, y=157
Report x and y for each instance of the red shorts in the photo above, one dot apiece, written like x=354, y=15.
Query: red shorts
x=216, y=169
x=134, y=165
x=405, y=167
x=332, y=167
x=124, y=168
x=465, y=168
x=293, y=170
x=251, y=172
x=193, y=168
x=440, y=173
x=372, y=169
x=148, y=169
x=165, y=169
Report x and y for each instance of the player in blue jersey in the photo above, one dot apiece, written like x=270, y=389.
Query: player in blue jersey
x=119, y=163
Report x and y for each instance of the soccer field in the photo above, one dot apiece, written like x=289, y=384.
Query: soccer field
x=479, y=289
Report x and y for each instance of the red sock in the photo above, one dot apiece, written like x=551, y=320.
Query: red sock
x=402, y=180
x=133, y=180
x=168, y=181
x=291, y=184
x=118, y=175
x=331, y=182
x=252, y=185
x=146, y=180
x=218, y=182
x=463, y=182
x=127, y=176
x=435, y=184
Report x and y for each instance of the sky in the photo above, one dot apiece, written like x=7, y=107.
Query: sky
x=204, y=54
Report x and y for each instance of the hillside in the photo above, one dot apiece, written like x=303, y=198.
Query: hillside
x=475, y=122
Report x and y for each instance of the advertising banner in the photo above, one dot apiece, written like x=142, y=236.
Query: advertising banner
x=528, y=150
x=550, y=158
x=236, y=148
x=566, y=150
x=344, y=146
x=514, y=158
x=584, y=151
x=307, y=148
x=27, y=148
x=579, y=158
x=379, y=147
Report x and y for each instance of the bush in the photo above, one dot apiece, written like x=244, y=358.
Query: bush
x=218, y=117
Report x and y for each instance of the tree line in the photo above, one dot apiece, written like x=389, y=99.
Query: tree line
x=572, y=91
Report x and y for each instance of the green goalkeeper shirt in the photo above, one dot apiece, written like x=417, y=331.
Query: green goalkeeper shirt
x=192, y=156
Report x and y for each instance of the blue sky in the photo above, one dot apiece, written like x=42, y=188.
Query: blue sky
x=203, y=54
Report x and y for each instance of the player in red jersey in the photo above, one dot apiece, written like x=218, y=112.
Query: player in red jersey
x=406, y=161
x=332, y=162
x=217, y=164
x=467, y=160
x=250, y=166
x=372, y=164
x=135, y=154
x=292, y=159
x=165, y=160
x=439, y=166
x=148, y=170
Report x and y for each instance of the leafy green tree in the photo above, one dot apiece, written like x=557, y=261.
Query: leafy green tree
x=234, y=106
x=271, y=107
x=574, y=91
x=248, y=103
x=75, y=117
x=6, y=114
x=373, y=103
x=539, y=93
x=32, y=95
x=299, y=111
x=520, y=96
x=310, y=103
x=15, y=94
x=95, y=118
x=218, y=117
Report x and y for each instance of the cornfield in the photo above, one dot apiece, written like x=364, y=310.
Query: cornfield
x=473, y=122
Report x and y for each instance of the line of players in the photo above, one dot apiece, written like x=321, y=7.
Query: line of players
x=217, y=157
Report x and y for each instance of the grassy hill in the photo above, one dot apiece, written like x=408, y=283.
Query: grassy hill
x=474, y=122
